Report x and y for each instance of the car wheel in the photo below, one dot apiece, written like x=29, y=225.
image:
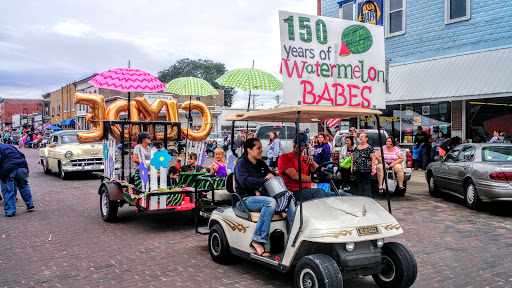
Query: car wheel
x=471, y=196
x=433, y=190
x=63, y=175
x=108, y=208
x=46, y=170
x=218, y=245
x=398, y=267
x=317, y=271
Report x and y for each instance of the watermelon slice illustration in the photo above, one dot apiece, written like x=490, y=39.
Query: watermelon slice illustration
x=355, y=39
x=344, y=50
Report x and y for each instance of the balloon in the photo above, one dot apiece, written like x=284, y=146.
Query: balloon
x=171, y=114
x=97, y=104
x=113, y=112
x=206, y=117
x=150, y=112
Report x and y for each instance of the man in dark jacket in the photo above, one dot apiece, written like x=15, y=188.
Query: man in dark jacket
x=422, y=139
x=14, y=175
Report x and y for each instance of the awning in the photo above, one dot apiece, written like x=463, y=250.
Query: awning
x=67, y=122
x=460, y=77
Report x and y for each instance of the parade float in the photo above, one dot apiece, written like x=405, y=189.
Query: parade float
x=147, y=188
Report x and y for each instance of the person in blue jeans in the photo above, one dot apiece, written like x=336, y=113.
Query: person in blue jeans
x=14, y=176
x=250, y=174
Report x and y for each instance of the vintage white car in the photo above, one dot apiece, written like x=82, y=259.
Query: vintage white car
x=65, y=155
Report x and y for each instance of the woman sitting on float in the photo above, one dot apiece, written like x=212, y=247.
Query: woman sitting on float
x=250, y=174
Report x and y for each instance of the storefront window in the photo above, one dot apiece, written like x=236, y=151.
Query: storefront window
x=402, y=121
x=484, y=116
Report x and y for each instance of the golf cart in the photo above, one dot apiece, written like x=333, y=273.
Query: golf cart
x=331, y=239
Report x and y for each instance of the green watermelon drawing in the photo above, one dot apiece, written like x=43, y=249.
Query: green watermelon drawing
x=355, y=39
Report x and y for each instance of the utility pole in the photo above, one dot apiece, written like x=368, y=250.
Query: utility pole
x=277, y=100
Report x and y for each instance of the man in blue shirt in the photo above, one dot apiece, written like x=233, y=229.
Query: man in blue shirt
x=14, y=175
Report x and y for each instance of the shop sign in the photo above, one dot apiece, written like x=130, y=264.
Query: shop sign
x=332, y=62
x=370, y=12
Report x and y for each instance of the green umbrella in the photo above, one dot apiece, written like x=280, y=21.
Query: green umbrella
x=250, y=79
x=190, y=86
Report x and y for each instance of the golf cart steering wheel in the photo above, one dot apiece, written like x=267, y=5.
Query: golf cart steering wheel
x=320, y=175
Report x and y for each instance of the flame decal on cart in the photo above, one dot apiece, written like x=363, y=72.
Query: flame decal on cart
x=335, y=234
x=390, y=227
x=235, y=225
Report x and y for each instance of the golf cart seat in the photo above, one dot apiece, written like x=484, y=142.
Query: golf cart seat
x=245, y=213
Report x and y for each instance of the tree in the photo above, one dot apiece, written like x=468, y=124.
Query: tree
x=202, y=68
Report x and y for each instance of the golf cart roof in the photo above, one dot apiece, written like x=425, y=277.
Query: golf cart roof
x=308, y=114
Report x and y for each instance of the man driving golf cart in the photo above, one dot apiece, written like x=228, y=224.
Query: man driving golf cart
x=288, y=167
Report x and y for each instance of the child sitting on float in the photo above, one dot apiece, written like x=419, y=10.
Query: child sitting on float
x=218, y=168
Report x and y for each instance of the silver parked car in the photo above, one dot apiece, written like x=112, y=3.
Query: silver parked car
x=475, y=172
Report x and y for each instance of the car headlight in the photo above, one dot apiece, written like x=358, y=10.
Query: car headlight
x=69, y=154
x=350, y=246
x=380, y=243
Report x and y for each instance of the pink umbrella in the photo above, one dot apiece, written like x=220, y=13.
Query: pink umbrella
x=127, y=80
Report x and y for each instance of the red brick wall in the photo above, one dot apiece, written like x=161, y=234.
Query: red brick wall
x=457, y=115
x=319, y=7
x=16, y=106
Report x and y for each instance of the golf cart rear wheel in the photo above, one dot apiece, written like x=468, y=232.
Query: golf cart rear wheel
x=219, y=245
x=398, y=267
x=318, y=271
x=108, y=208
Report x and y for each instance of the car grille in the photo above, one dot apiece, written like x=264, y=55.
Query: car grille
x=86, y=161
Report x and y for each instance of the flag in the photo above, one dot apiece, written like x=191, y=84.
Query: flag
x=333, y=122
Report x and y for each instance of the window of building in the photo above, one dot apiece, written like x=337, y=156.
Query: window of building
x=65, y=106
x=53, y=111
x=456, y=10
x=347, y=11
x=58, y=109
x=395, y=17
x=72, y=104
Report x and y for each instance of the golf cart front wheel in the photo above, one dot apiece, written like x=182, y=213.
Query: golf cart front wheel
x=398, y=267
x=318, y=271
x=108, y=208
x=219, y=245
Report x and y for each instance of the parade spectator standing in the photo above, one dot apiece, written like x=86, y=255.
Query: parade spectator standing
x=6, y=138
x=346, y=152
x=448, y=145
x=352, y=132
x=440, y=139
x=225, y=136
x=274, y=149
x=497, y=138
x=422, y=139
x=289, y=167
x=239, y=142
x=363, y=165
x=13, y=176
x=322, y=150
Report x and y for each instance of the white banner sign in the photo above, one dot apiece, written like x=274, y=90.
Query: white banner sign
x=332, y=62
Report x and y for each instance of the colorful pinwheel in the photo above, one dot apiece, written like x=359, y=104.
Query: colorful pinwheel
x=105, y=151
x=231, y=162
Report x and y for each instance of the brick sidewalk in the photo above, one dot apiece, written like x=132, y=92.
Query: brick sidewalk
x=454, y=246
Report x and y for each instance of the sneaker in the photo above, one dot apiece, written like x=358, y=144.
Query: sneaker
x=346, y=188
x=10, y=215
x=30, y=207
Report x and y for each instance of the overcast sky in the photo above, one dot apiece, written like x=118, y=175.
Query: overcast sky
x=47, y=44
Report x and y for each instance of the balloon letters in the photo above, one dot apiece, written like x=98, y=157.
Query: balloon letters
x=139, y=106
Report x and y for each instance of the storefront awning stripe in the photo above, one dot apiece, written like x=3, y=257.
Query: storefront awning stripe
x=459, y=77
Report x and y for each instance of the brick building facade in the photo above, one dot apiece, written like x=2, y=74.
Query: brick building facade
x=10, y=107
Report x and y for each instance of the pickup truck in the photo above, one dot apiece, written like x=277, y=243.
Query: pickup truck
x=373, y=140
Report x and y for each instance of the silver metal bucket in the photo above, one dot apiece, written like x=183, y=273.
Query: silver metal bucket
x=275, y=187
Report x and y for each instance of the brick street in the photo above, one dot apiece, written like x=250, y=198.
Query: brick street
x=65, y=243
